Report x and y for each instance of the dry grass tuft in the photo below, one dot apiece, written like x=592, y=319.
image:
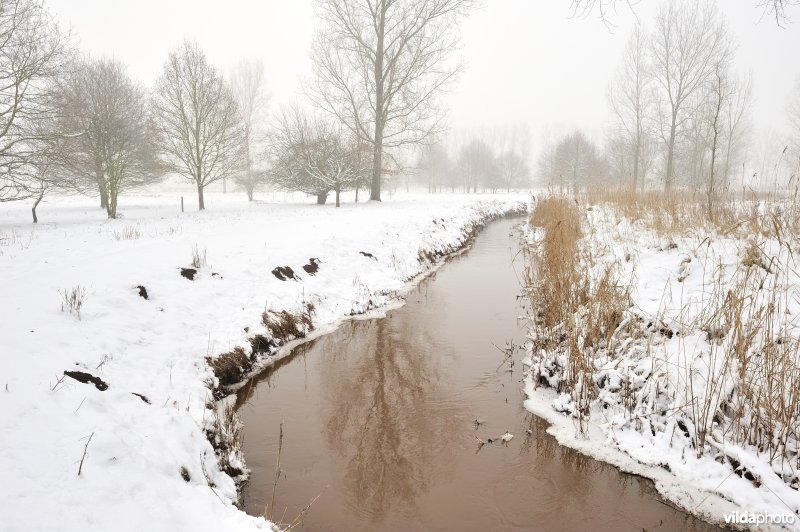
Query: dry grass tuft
x=72, y=300
x=284, y=326
x=576, y=311
x=225, y=435
x=129, y=232
x=198, y=257
x=231, y=367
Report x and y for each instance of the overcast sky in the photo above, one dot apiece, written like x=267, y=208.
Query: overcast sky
x=527, y=61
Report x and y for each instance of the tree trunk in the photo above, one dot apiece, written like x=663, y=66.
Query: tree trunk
x=337, y=196
x=377, y=147
x=670, y=154
x=322, y=197
x=200, y=199
x=101, y=184
x=712, y=186
x=358, y=185
x=250, y=190
x=36, y=204
x=112, y=192
x=103, y=195
x=377, y=169
x=111, y=207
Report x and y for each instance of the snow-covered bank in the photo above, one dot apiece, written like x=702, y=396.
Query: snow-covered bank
x=694, y=384
x=149, y=464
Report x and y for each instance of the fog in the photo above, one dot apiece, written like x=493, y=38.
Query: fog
x=525, y=62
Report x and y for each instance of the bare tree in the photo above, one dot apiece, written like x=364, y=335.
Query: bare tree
x=632, y=99
x=312, y=155
x=247, y=83
x=576, y=161
x=198, y=123
x=513, y=169
x=477, y=166
x=736, y=119
x=689, y=39
x=434, y=166
x=31, y=50
x=380, y=66
x=103, y=131
x=720, y=94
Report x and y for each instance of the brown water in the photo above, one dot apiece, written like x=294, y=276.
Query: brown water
x=379, y=422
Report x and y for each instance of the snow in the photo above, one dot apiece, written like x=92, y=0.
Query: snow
x=131, y=476
x=676, y=282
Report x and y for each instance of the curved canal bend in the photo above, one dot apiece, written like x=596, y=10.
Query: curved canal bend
x=379, y=422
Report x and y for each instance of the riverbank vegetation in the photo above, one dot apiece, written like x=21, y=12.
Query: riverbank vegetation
x=676, y=332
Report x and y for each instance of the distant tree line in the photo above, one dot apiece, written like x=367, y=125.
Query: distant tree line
x=487, y=160
x=681, y=112
x=80, y=124
x=75, y=123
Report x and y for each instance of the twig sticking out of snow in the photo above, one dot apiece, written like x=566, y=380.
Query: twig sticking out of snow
x=85, y=448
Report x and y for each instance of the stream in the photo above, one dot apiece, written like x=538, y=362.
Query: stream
x=383, y=419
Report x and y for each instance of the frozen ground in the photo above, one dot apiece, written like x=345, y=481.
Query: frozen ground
x=131, y=476
x=669, y=375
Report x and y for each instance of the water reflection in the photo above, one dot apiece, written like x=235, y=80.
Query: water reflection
x=251, y=388
x=387, y=418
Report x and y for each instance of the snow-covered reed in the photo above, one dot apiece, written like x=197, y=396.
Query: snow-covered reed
x=676, y=332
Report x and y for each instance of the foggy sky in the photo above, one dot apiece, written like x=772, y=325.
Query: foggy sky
x=527, y=62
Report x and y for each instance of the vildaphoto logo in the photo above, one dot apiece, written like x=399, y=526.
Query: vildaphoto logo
x=752, y=518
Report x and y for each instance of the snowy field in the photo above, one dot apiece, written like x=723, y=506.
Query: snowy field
x=148, y=464
x=689, y=388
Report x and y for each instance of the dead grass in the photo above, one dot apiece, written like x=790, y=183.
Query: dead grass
x=284, y=326
x=771, y=215
x=72, y=300
x=746, y=390
x=577, y=304
x=129, y=232
x=231, y=367
x=752, y=396
x=225, y=435
x=198, y=257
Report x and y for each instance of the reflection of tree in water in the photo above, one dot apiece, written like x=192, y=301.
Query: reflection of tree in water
x=388, y=417
x=251, y=387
